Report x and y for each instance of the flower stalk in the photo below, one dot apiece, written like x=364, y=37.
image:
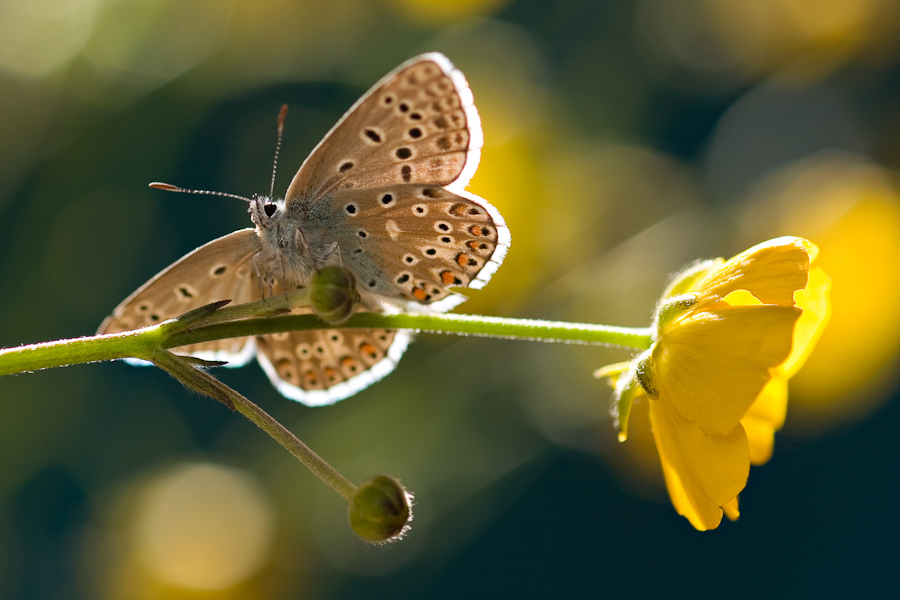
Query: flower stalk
x=246, y=320
x=200, y=381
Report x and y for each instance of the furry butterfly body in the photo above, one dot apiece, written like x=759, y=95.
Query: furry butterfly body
x=383, y=195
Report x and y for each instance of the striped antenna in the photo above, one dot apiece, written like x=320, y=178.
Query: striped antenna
x=281, y=116
x=174, y=188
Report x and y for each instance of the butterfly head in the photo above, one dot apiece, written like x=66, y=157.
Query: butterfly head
x=284, y=252
x=265, y=210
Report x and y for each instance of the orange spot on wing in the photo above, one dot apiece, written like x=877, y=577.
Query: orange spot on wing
x=310, y=380
x=368, y=349
x=419, y=294
x=458, y=210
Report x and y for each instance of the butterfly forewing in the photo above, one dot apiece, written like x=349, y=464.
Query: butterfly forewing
x=222, y=269
x=417, y=125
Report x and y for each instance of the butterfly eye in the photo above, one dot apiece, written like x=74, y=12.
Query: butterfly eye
x=270, y=209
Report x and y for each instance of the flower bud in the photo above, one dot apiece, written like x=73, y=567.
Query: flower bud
x=380, y=510
x=333, y=295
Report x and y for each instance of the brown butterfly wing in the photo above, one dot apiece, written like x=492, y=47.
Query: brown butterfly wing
x=411, y=243
x=417, y=125
x=222, y=269
x=324, y=366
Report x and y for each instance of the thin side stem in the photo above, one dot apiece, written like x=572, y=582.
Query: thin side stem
x=205, y=383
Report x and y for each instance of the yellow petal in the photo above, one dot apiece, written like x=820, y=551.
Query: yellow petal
x=764, y=417
x=683, y=506
x=703, y=471
x=711, y=365
x=771, y=271
x=816, y=305
x=731, y=510
x=741, y=297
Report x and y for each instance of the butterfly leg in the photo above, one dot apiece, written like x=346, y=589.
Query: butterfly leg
x=335, y=249
x=265, y=279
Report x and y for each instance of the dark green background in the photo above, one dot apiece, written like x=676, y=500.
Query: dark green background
x=511, y=508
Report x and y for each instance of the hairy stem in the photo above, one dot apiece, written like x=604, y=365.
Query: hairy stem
x=206, y=384
x=474, y=325
x=207, y=325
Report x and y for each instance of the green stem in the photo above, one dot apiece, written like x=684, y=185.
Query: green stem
x=60, y=353
x=474, y=325
x=203, y=382
x=141, y=343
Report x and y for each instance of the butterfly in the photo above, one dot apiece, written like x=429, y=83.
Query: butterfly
x=381, y=195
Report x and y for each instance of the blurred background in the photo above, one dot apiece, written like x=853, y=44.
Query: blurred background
x=623, y=139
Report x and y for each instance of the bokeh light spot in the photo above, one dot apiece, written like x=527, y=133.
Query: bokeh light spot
x=203, y=527
x=37, y=36
x=428, y=11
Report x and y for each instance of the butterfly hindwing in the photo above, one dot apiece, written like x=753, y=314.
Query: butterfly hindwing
x=413, y=242
x=323, y=366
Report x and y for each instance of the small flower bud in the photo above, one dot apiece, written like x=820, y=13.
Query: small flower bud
x=333, y=295
x=380, y=510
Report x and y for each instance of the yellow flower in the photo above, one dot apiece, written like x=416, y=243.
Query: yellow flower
x=727, y=337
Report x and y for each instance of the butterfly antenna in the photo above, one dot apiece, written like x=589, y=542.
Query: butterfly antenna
x=174, y=188
x=281, y=116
